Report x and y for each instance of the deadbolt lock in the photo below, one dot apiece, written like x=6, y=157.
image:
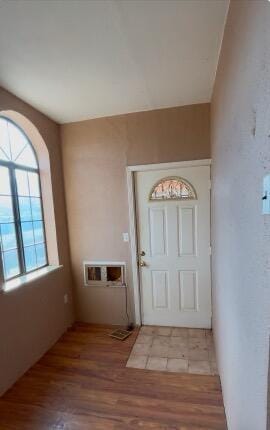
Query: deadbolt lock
x=142, y=254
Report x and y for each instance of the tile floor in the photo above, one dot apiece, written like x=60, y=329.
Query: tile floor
x=174, y=350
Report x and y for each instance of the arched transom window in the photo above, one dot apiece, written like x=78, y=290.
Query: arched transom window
x=172, y=188
x=22, y=234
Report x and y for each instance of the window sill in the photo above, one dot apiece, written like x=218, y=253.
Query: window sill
x=28, y=278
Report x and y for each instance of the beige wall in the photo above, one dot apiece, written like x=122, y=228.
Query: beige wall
x=33, y=316
x=240, y=118
x=95, y=156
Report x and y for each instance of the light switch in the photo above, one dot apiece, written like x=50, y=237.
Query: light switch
x=266, y=195
x=125, y=237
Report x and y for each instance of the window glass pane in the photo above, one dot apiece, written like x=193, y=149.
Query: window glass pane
x=18, y=140
x=6, y=209
x=36, y=208
x=4, y=181
x=30, y=258
x=34, y=184
x=29, y=245
x=14, y=145
x=38, y=231
x=41, y=255
x=8, y=236
x=25, y=209
x=22, y=183
x=27, y=158
x=11, y=263
x=3, y=155
x=4, y=141
x=27, y=233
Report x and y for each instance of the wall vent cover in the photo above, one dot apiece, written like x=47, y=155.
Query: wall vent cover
x=104, y=274
x=120, y=334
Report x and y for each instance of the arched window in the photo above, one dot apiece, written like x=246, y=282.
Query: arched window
x=22, y=234
x=172, y=188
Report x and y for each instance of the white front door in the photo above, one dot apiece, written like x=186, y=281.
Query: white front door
x=174, y=245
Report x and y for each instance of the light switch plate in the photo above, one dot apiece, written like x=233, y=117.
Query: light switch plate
x=266, y=195
x=125, y=237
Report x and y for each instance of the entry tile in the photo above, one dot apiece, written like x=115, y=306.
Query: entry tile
x=177, y=365
x=201, y=367
x=143, y=338
x=180, y=332
x=159, y=351
x=209, y=341
x=198, y=352
x=212, y=354
x=213, y=368
x=137, y=361
x=156, y=363
x=148, y=329
x=209, y=338
x=174, y=350
x=178, y=341
x=161, y=341
x=197, y=342
x=164, y=331
x=141, y=349
x=178, y=352
x=196, y=332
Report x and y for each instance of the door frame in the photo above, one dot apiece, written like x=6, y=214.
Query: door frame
x=131, y=170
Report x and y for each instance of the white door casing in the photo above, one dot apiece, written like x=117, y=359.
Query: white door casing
x=175, y=284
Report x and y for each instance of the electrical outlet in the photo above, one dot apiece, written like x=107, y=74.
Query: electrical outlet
x=65, y=299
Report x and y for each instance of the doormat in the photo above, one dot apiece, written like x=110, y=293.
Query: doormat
x=120, y=334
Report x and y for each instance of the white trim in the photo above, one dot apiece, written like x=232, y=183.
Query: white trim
x=132, y=219
x=105, y=263
x=13, y=284
x=133, y=245
x=173, y=165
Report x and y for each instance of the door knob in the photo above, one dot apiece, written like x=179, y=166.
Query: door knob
x=142, y=264
x=142, y=254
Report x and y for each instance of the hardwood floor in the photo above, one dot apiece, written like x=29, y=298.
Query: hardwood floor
x=82, y=384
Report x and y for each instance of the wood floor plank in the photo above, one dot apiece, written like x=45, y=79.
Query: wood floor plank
x=82, y=383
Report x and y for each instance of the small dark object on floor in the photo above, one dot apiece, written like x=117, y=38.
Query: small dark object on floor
x=130, y=327
x=120, y=334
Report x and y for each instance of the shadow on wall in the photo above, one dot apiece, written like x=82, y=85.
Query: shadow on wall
x=34, y=315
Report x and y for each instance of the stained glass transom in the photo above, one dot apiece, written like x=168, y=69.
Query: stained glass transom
x=172, y=188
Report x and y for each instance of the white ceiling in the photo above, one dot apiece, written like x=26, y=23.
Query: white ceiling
x=79, y=59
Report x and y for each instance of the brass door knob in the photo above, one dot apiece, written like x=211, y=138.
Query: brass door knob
x=142, y=264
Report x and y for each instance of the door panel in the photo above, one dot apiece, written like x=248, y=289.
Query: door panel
x=160, y=291
x=187, y=231
x=175, y=236
x=158, y=237
x=188, y=290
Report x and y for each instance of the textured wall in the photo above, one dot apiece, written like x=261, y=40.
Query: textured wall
x=33, y=316
x=240, y=118
x=95, y=156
